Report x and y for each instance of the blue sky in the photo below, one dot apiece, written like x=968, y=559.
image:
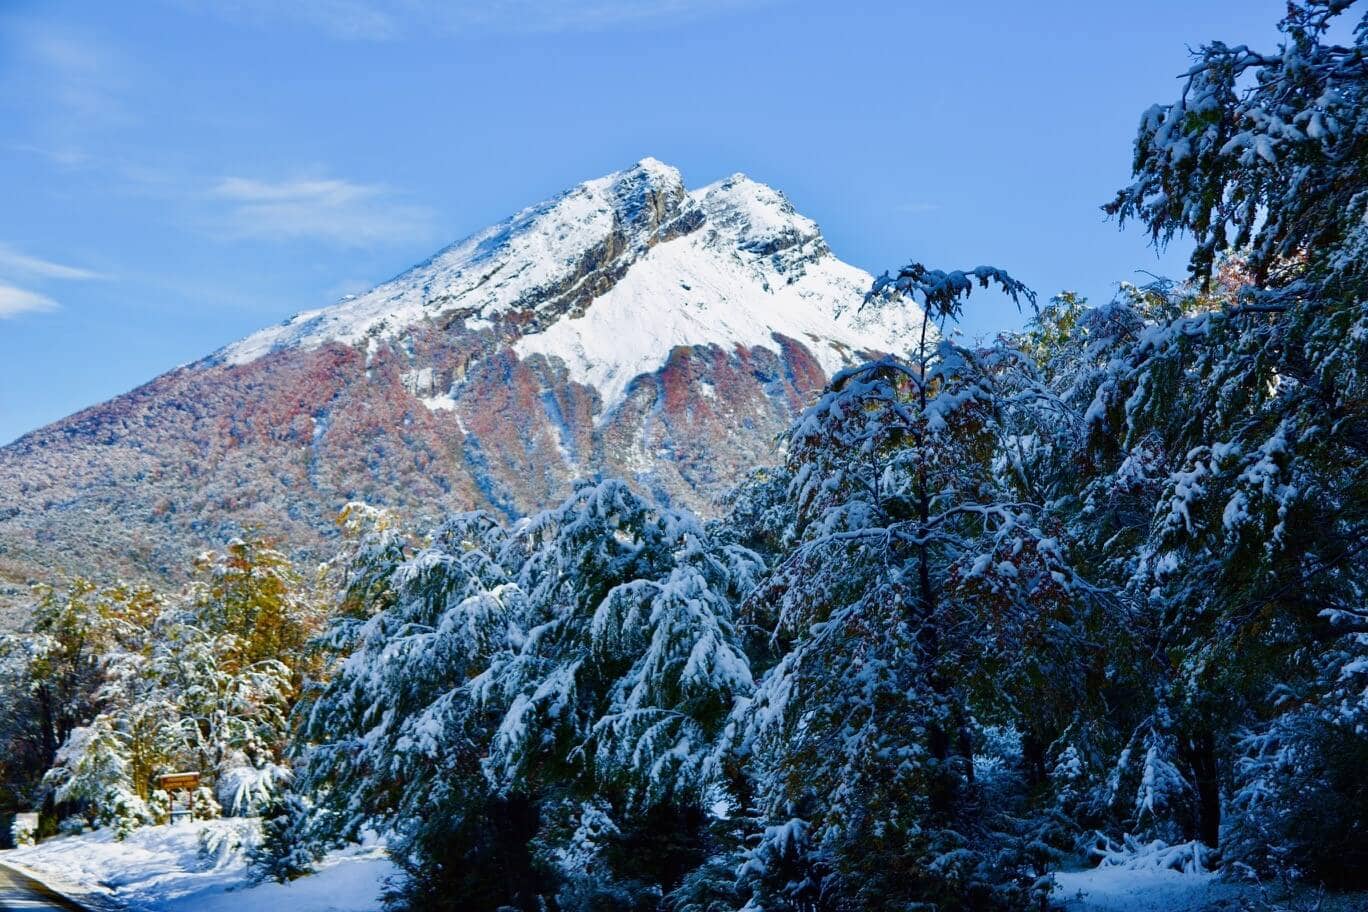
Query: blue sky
x=177, y=173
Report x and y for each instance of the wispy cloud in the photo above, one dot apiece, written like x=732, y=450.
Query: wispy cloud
x=384, y=19
x=12, y=260
x=351, y=19
x=15, y=301
x=327, y=209
x=83, y=77
x=580, y=15
x=915, y=208
x=73, y=90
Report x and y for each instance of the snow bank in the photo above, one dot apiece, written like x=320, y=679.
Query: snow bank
x=199, y=866
x=1152, y=889
x=1140, y=888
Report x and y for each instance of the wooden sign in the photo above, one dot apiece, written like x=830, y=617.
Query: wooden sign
x=175, y=782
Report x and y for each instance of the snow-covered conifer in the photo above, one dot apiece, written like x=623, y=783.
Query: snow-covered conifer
x=514, y=674
x=1228, y=423
x=924, y=559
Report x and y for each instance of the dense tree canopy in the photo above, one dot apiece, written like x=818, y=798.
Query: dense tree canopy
x=1096, y=588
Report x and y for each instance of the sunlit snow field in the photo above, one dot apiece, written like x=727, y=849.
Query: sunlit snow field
x=199, y=866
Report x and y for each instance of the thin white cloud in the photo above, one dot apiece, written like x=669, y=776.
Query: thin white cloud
x=580, y=15
x=12, y=260
x=351, y=19
x=384, y=19
x=327, y=209
x=73, y=91
x=82, y=76
x=15, y=301
x=68, y=88
x=328, y=191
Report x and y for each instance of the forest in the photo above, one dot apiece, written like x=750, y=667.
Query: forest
x=1091, y=589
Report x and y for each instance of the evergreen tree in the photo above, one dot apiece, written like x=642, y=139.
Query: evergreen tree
x=924, y=560
x=226, y=715
x=286, y=850
x=1227, y=431
x=555, y=689
x=58, y=663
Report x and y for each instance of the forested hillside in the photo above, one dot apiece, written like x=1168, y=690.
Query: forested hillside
x=1091, y=593
x=629, y=327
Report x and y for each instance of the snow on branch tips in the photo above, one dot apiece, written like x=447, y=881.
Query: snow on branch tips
x=942, y=294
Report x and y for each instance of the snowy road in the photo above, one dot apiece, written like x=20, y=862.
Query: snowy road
x=21, y=892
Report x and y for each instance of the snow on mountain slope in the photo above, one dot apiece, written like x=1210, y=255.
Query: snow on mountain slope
x=756, y=268
x=486, y=274
x=740, y=266
x=627, y=328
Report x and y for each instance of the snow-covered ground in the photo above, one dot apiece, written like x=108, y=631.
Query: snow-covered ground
x=1154, y=889
x=201, y=867
x=1118, y=889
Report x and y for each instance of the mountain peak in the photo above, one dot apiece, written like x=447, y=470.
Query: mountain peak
x=492, y=271
x=759, y=218
x=608, y=276
x=643, y=196
x=661, y=173
x=628, y=327
x=648, y=177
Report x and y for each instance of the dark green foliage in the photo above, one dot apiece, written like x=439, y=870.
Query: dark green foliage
x=1302, y=805
x=1227, y=418
x=287, y=849
x=480, y=859
x=1100, y=583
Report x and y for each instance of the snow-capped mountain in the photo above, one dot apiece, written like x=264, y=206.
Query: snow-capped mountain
x=628, y=327
x=729, y=264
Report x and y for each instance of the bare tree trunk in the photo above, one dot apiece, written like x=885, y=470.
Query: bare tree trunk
x=50, y=743
x=1200, y=752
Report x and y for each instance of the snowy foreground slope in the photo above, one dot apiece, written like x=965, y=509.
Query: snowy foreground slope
x=201, y=867
x=197, y=867
x=630, y=327
x=1151, y=889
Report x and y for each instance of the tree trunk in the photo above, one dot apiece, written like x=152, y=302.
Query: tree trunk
x=1033, y=747
x=965, y=746
x=50, y=743
x=1201, y=757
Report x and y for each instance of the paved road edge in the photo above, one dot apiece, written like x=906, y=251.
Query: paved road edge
x=66, y=900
